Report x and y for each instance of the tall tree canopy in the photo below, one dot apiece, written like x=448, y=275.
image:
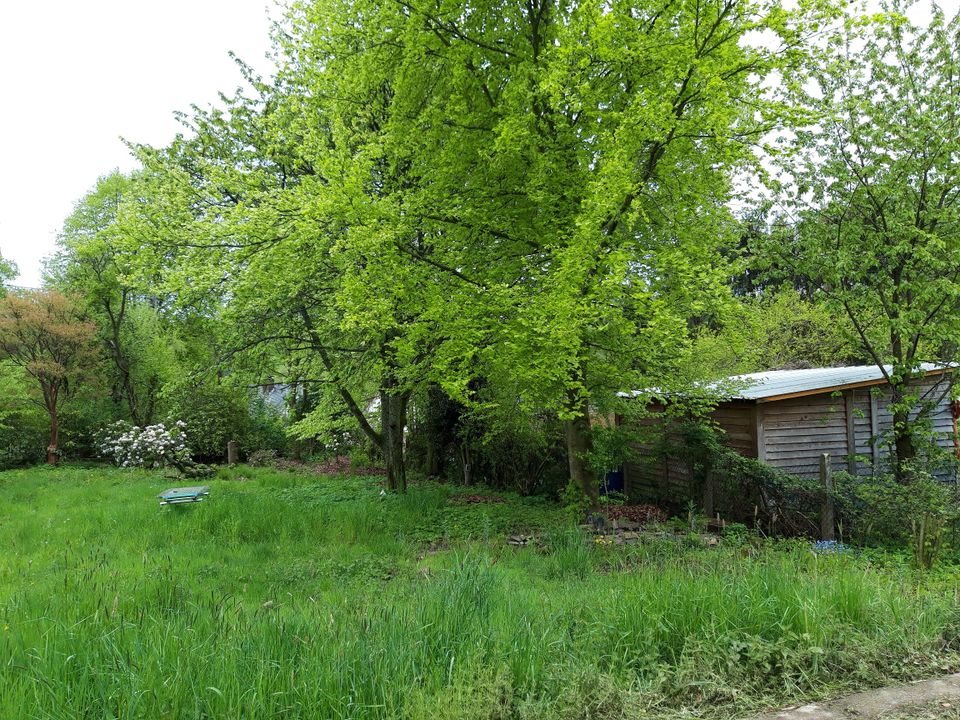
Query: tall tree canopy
x=95, y=264
x=873, y=190
x=434, y=193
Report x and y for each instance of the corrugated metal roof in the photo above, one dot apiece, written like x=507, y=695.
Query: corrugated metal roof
x=773, y=384
x=777, y=383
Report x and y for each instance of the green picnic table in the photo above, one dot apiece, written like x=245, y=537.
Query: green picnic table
x=179, y=496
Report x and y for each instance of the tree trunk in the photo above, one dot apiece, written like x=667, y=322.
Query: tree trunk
x=577, y=431
x=903, y=446
x=393, y=417
x=465, y=462
x=432, y=462
x=52, y=457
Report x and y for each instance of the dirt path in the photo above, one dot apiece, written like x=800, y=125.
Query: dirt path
x=876, y=703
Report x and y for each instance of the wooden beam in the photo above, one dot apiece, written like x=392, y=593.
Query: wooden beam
x=827, y=515
x=874, y=430
x=709, y=491
x=758, y=433
x=849, y=408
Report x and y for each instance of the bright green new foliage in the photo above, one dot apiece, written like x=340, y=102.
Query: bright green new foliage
x=96, y=261
x=529, y=194
x=872, y=185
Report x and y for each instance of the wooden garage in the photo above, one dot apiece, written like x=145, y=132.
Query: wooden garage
x=788, y=418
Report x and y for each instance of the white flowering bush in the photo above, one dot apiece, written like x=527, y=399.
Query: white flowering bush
x=153, y=446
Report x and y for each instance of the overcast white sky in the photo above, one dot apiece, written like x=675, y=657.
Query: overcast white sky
x=78, y=75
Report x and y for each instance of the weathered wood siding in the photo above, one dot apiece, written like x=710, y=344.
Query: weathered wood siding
x=930, y=389
x=653, y=477
x=854, y=426
x=736, y=419
x=798, y=430
x=863, y=430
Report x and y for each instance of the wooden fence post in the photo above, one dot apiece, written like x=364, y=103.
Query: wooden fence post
x=708, y=493
x=826, y=502
x=233, y=455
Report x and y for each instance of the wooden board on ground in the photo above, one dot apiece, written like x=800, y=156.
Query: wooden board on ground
x=179, y=496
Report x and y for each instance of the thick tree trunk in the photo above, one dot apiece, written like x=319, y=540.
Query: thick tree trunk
x=903, y=445
x=577, y=433
x=52, y=456
x=393, y=416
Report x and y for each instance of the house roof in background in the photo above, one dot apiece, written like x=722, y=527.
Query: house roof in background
x=781, y=384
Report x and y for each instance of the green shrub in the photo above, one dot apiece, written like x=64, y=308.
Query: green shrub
x=780, y=503
x=216, y=414
x=23, y=438
x=919, y=514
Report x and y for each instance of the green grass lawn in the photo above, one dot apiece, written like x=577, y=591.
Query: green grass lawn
x=298, y=596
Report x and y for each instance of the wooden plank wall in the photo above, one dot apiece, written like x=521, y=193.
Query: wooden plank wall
x=736, y=419
x=791, y=434
x=796, y=431
x=933, y=388
x=651, y=478
x=863, y=429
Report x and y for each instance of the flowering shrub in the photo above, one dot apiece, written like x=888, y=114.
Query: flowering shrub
x=153, y=446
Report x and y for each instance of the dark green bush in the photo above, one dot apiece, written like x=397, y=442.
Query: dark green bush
x=921, y=514
x=214, y=414
x=23, y=438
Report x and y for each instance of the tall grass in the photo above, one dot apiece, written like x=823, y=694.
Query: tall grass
x=314, y=603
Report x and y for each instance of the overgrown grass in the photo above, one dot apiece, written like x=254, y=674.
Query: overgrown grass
x=304, y=597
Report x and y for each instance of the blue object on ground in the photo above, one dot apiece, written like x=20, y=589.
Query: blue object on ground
x=178, y=496
x=829, y=546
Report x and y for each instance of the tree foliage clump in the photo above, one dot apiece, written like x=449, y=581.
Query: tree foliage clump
x=427, y=196
x=95, y=263
x=778, y=329
x=870, y=190
x=44, y=334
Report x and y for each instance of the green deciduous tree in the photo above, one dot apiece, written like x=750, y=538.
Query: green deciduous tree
x=428, y=194
x=554, y=174
x=777, y=329
x=873, y=190
x=95, y=263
